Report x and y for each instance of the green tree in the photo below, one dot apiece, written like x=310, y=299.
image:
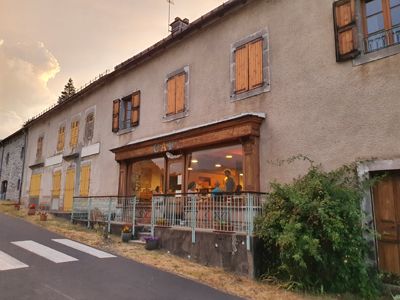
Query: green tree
x=68, y=91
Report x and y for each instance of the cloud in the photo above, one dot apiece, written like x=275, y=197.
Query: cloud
x=25, y=69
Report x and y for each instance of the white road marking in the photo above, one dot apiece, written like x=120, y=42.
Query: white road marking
x=84, y=248
x=8, y=262
x=44, y=251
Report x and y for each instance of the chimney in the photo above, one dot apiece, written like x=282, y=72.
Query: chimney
x=179, y=25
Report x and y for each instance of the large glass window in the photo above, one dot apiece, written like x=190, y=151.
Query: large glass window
x=214, y=169
x=175, y=175
x=147, y=178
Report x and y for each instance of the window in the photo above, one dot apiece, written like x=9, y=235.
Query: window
x=89, y=127
x=381, y=23
x=176, y=94
x=61, y=138
x=249, y=65
x=22, y=154
x=56, y=184
x=74, y=134
x=126, y=112
x=84, y=181
x=39, y=148
x=19, y=184
x=7, y=158
x=34, y=189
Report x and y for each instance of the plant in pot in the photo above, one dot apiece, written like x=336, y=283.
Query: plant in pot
x=43, y=216
x=151, y=243
x=126, y=233
x=31, y=209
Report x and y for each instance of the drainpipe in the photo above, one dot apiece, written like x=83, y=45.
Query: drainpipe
x=1, y=164
x=23, y=166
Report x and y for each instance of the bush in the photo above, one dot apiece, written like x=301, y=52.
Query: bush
x=313, y=236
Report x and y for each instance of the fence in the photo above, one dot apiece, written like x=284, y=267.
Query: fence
x=109, y=210
x=194, y=211
x=382, y=39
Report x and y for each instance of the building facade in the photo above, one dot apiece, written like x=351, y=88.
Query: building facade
x=12, y=155
x=246, y=85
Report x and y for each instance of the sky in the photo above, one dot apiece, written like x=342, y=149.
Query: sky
x=45, y=42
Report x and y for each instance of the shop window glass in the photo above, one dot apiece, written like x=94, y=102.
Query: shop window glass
x=221, y=167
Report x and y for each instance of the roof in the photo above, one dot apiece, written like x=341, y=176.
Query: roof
x=159, y=47
x=8, y=138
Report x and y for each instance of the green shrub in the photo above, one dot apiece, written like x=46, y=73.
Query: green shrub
x=312, y=234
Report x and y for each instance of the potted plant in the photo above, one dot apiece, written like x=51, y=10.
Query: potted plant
x=43, y=216
x=126, y=233
x=151, y=243
x=31, y=209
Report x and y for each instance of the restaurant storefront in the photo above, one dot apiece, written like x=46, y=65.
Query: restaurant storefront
x=222, y=155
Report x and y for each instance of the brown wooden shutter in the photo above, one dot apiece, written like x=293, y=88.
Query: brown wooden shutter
x=180, y=92
x=135, y=109
x=345, y=30
x=115, y=116
x=255, y=64
x=242, y=69
x=171, y=91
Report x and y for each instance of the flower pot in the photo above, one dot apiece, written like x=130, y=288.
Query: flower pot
x=43, y=217
x=31, y=212
x=126, y=236
x=151, y=244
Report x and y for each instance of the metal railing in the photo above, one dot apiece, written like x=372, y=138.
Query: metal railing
x=109, y=210
x=222, y=212
x=382, y=39
x=217, y=212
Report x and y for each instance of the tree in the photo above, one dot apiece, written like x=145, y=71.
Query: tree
x=68, y=91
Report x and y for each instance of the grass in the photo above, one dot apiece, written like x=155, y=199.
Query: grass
x=215, y=277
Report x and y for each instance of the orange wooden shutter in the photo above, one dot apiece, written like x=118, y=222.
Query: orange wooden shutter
x=56, y=184
x=171, y=91
x=345, y=30
x=242, y=69
x=115, y=116
x=135, y=109
x=255, y=64
x=85, y=181
x=180, y=92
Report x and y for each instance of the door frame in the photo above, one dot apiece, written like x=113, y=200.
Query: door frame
x=364, y=170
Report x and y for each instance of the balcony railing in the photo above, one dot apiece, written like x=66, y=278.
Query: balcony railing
x=382, y=39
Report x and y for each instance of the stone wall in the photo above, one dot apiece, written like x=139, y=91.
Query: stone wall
x=12, y=168
x=224, y=250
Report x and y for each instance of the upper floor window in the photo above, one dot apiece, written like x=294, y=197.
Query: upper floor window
x=381, y=23
x=39, y=148
x=176, y=94
x=22, y=153
x=7, y=158
x=74, y=134
x=126, y=112
x=89, y=126
x=249, y=64
x=61, y=138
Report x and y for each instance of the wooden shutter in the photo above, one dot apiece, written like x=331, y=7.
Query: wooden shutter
x=135, y=109
x=242, y=69
x=74, y=133
x=171, y=91
x=56, y=184
x=61, y=138
x=34, y=189
x=345, y=30
x=255, y=64
x=180, y=93
x=84, y=181
x=115, y=116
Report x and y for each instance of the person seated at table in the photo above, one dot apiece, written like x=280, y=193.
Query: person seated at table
x=157, y=190
x=192, y=187
x=217, y=190
x=239, y=189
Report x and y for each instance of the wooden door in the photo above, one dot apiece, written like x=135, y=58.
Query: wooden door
x=69, y=189
x=387, y=218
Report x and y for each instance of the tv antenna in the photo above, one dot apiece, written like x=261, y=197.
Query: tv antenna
x=169, y=12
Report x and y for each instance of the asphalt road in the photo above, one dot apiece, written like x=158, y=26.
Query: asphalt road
x=88, y=277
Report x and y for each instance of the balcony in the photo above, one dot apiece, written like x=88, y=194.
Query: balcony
x=382, y=39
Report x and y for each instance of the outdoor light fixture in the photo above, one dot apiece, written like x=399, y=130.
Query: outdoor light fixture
x=241, y=174
x=195, y=161
x=229, y=156
x=218, y=166
x=190, y=169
